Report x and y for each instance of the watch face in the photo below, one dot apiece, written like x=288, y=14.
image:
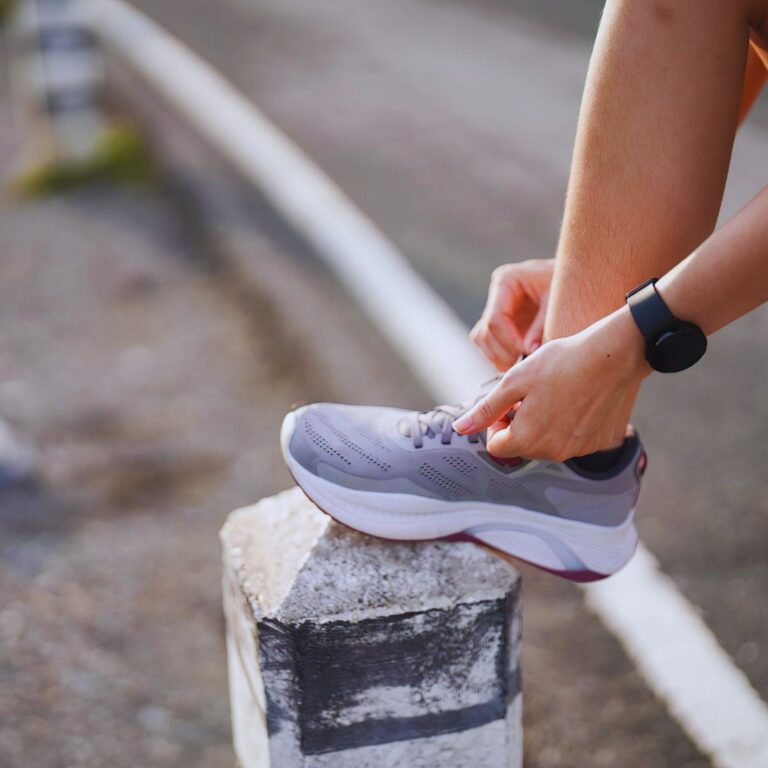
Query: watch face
x=678, y=349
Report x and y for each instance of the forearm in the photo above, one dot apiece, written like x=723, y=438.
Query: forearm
x=725, y=277
x=652, y=151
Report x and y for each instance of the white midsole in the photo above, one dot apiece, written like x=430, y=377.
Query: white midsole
x=551, y=542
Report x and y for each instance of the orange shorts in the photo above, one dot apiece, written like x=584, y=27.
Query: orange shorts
x=757, y=72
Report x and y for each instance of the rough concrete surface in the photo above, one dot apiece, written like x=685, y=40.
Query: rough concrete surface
x=414, y=662
x=380, y=577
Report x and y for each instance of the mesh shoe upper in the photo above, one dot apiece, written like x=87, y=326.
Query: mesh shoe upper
x=389, y=450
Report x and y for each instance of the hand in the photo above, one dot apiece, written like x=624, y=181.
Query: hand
x=572, y=397
x=513, y=320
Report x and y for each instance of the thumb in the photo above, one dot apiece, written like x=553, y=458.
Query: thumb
x=496, y=404
x=536, y=330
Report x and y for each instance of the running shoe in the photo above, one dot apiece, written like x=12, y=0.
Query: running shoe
x=409, y=476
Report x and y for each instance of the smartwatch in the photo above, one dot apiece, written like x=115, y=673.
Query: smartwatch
x=671, y=344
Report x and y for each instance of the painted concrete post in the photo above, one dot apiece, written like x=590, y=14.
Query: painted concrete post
x=18, y=462
x=57, y=82
x=349, y=652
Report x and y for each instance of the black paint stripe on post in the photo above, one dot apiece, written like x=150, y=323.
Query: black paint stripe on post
x=72, y=100
x=279, y=674
x=66, y=39
x=370, y=733
x=316, y=674
x=509, y=663
x=340, y=660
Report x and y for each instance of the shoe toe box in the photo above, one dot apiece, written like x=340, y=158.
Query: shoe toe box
x=347, y=438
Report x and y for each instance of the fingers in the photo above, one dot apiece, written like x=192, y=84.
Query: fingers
x=575, y=396
x=533, y=437
x=519, y=440
x=502, y=348
x=515, y=292
x=497, y=403
x=523, y=437
x=533, y=337
x=496, y=333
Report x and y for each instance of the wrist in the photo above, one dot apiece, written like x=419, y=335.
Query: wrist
x=624, y=342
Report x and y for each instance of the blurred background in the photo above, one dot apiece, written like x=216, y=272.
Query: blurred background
x=158, y=319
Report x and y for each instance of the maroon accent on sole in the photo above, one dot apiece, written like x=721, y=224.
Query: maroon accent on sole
x=580, y=577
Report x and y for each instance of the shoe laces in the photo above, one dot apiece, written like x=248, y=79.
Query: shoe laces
x=439, y=420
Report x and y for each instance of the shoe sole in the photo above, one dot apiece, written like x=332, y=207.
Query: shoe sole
x=570, y=549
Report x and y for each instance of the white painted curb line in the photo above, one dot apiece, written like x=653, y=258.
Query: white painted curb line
x=675, y=651
x=682, y=661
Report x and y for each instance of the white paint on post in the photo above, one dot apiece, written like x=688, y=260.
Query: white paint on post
x=675, y=651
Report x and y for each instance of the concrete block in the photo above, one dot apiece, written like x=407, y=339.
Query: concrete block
x=351, y=652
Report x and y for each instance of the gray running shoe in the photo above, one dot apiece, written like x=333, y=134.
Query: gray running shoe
x=408, y=476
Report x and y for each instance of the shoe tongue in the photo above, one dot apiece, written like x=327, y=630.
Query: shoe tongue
x=431, y=420
x=435, y=418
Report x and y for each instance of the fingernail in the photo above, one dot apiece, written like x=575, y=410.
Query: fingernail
x=533, y=347
x=463, y=423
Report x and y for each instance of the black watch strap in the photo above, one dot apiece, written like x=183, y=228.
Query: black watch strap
x=671, y=344
x=650, y=311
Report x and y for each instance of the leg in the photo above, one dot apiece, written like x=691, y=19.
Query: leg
x=653, y=146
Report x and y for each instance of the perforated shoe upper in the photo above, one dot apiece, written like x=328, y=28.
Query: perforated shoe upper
x=375, y=449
